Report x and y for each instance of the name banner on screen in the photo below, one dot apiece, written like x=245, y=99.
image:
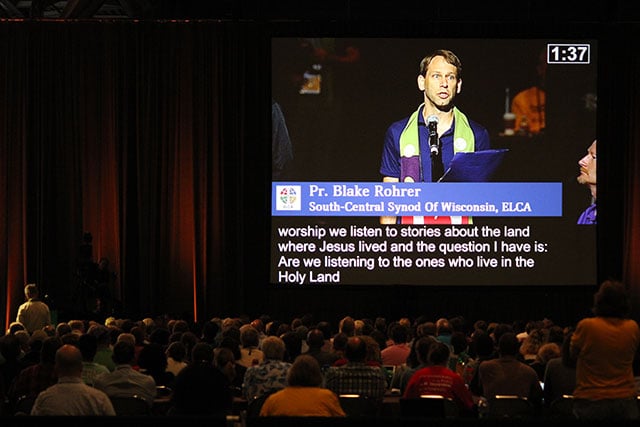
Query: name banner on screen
x=532, y=199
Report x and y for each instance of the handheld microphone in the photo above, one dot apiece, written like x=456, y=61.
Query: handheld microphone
x=434, y=145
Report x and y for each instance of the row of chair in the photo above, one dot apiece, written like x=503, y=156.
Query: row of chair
x=131, y=405
x=433, y=406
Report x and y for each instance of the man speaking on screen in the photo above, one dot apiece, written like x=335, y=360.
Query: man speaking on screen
x=588, y=177
x=419, y=147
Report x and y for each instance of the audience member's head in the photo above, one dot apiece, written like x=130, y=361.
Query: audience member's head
x=50, y=346
x=305, y=372
x=249, y=336
x=508, y=344
x=69, y=361
x=373, y=349
x=315, y=339
x=62, y=328
x=347, y=326
x=398, y=333
x=547, y=352
x=443, y=327
x=202, y=353
x=273, y=348
x=611, y=300
x=426, y=329
x=356, y=350
x=459, y=342
x=127, y=336
x=177, y=351
x=293, y=344
x=422, y=347
x=88, y=345
x=225, y=361
x=152, y=359
x=210, y=331
x=439, y=354
x=124, y=353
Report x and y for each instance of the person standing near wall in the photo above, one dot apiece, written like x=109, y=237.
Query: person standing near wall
x=33, y=314
x=604, y=347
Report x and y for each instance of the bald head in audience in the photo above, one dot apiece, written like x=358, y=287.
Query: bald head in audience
x=69, y=361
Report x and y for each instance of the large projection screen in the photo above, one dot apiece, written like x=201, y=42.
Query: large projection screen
x=338, y=97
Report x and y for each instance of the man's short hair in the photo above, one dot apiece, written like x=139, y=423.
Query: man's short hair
x=399, y=333
x=356, y=350
x=439, y=353
x=203, y=352
x=449, y=56
x=508, y=344
x=31, y=290
x=315, y=338
x=123, y=353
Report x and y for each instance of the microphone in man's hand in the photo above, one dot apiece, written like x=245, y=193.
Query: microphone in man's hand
x=434, y=146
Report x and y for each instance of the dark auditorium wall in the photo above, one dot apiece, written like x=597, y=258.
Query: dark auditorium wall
x=152, y=136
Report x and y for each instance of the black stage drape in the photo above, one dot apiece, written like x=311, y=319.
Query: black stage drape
x=154, y=138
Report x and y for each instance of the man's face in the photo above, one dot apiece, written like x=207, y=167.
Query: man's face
x=588, y=166
x=440, y=84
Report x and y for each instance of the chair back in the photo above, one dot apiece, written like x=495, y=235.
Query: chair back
x=23, y=405
x=162, y=402
x=508, y=406
x=356, y=405
x=130, y=405
x=562, y=408
x=254, y=405
x=429, y=406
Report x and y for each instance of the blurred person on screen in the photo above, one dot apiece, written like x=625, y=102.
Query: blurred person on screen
x=529, y=104
x=405, y=155
x=588, y=177
x=281, y=147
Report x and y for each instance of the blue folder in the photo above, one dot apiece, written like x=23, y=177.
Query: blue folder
x=475, y=166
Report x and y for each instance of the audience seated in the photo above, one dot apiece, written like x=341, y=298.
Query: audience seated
x=396, y=354
x=315, y=343
x=474, y=357
x=10, y=367
x=437, y=379
x=176, y=355
x=249, y=341
x=484, y=349
x=355, y=377
x=70, y=395
x=36, y=378
x=304, y=395
x=339, y=343
x=560, y=374
x=104, y=351
x=546, y=352
x=293, y=345
x=152, y=361
x=347, y=326
x=531, y=344
x=88, y=345
x=444, y=331
x=418, y=359
x=201, y=388
x=124, y=380
x=270, y=375
x=233, y=344
x=507, y=375
x=459, y=358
